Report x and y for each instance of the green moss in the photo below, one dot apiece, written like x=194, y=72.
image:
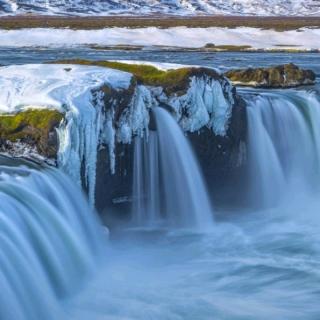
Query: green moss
x=172, y=81
x=34, y=127
x=42, y=120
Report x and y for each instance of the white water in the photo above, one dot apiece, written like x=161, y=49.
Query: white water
x=168, y=187
x=50, y=242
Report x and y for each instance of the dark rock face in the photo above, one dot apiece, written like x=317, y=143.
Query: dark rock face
x=283, y=76
x=114, y=190
x=221, y=159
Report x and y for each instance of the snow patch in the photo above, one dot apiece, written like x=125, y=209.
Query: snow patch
x=163, y=66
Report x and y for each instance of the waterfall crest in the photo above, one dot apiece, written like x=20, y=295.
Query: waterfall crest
x=283, y=145
x=168, y=188
x=49, y=241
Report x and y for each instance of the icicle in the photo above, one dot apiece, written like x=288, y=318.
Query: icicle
x=109, y=138
x=135, y=119
x=204, y=104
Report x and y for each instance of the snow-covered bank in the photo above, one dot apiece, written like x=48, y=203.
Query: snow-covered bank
x=303, y=39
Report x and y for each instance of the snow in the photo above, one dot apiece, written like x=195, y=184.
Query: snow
x=163, y=66
x=305, y=38
x=143, y=7
x=53, y=86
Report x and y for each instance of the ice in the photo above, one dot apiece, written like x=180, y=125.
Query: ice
x=204, y=104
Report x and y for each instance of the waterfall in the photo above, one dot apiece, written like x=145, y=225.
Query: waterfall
x=283, y=145
x=168, y=188
x=50, y=241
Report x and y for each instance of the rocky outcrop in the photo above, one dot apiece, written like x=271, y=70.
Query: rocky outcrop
x=97, y=130
x=282, y=76
x=213, y=117
x=30, y=133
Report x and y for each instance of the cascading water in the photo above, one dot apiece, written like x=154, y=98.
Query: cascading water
x=283, y=145
x=50, y=242
x=168, y=187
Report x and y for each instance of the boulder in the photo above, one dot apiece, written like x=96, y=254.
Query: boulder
x=282, y=76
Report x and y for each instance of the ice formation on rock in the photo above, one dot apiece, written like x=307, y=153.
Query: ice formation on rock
x=204, y=104
x=90, y=122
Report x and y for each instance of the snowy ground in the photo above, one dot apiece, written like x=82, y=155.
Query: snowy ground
x=303, y=39
x=54, y=86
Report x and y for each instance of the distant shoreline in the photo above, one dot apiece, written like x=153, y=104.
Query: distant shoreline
x=281, y=23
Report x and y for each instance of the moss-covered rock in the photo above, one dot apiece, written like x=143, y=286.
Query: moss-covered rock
x=282, y=76
x=173, y=81
x=33, y=127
